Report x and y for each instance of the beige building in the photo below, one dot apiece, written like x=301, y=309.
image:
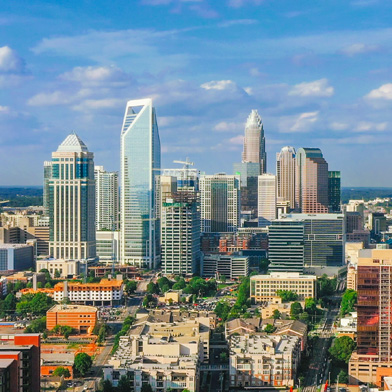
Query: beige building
x=266, y=199
x=285, y=175
x=264, y=288
x=264, y=360
x=352, y=277
x=352, y=251
x=66, y=268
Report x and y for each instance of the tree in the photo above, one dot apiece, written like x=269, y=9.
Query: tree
x=310, y=305
x=37, y=304
x=349, y=300
x=9, y=303
x=223, y=356
x=295, y=310
x=342, y=349
x=124, y=384
x=343, y=377
x=37, y=326
x=62, y=371
x=165, y=288
x=146, y=388
x=47, y=274
x=149, y=300
x=222, y=310
x=82, y=363
x=164, y=283
x=287, y=295
x=181, y=284
x=130, y=287
x=152, y=288
x=107, y=386
x=48, y=285
x=269, y=328
x=39, y=285
x=326, y=286
x=223, y=278
x=304, y=316
x=276, y=314
x=57, y=274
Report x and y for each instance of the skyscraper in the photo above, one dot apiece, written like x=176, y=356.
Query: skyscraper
x=107, y=203
x=47, y=177
x=285, y=175
x=266, y=199
x=180, y=234
x=254, y=142
x=334, y=192
x=220, y=203
x=311, y=181
x=140, y=167
x=72, y=201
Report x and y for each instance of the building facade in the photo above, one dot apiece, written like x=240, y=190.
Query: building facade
x=140, y=167
x=229, y=266
x=108, y=246
x=311, y=181
x=285, y=175
x=106, y=199
x=220, y=203
x=72, y=201
x=334, y=191
x=16, y=257
x=46, y=189
x=266, y=210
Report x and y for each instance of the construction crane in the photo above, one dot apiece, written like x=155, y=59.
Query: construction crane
x=186, y=164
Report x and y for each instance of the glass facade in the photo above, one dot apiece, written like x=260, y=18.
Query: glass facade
x=334, y=192
x=140, y=165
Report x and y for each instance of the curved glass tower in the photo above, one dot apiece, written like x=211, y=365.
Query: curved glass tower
x=140, y=168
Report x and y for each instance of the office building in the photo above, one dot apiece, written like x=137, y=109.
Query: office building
x=187, y=178
x=311, y=181
x=220, y=203
x=334, y=191
x=254, y=142
x=47, y=177
x=61, y=268
x=324, y=238
x=108, y=246
x=140, y=167
x=265, y=287
x=286, y=247
x=258, y=360
x=72, y=201
x=106, y=199
x=229, y=266
x=377, y=222
x=372, y=359
x=285, y=175
x=16, y=257
x=354, y=221
x=180, y=234
x=266, y=210
x=80, y=318
x=248, y=172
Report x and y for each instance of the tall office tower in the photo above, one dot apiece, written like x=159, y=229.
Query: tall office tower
x=72, y=201
x=266, y=199
x=373, y=358
x=107, y=202
x=220, y=203
x=180, y=234
x=286, y=249
x=254, y=142
x=47, y=177
x=311, y=181
x=140, y=167
x=285, y=175
x=334, y=193
x=187, y=178
x=248, y=172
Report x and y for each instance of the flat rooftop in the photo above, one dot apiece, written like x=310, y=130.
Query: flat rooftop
x=73, y=309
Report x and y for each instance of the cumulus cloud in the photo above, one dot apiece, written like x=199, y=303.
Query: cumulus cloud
x=10, y=62
x=383, y=92
x=219, y=85
x=298, y=123
x=358, y=48
x=317, y=88
x=225, y=126
x=366, y=126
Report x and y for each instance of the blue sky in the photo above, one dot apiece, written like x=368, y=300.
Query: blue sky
x=319, y=73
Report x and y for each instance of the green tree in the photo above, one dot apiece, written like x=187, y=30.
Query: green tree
x=295, y=310
x=149, y=300
x=124, y=384
x=222, y=310
x=165, y=288
x=39, y=285
x=48, y=285
x=146, y=388
x=181, y=284
x=310, y=305
x=62, y=371
x=269, y=328
x=130, y=287
x=47, y=274
x=343, y=377
x=326, y=286
x=349, y=300
x=342, y=349
x=9, y=303
x=287, y=295
x=223, y=356
x=152, y=288
x=37, y=326
x=276, y=314
x=37, y=304
x=223, y=278
x=57, y=274
x=304, y=316
x=163, y=282
x=107, y=386
x=82, y=363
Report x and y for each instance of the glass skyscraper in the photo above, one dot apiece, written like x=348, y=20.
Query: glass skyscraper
x=140, y=169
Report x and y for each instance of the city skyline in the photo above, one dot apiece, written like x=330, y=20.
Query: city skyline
x=321, y=80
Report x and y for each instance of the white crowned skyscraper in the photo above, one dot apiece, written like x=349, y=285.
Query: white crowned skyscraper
x=285, y=175
x=254, y=142
x=140, y=168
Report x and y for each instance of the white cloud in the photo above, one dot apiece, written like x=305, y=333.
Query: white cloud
x=365, y=126
x=383, y=92
x=236, y=22
x=96, y=104
x=317, y=88
x=10, y=61
x=304, y=121
x=337, y=126
x=242, y=3
x=237, y=140
x=50, y=99
x=4, y=109
x=359, y=48
x=254, y=71
x=219, y=85
x=224, y=126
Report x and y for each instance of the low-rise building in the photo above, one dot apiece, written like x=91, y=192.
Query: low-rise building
x=264, y=288
x=352, y=277
x=81, y=318
x=106, y=292
x=264, y=360
x=51, y=361
x=16, y=257
x=348, y=326
x=60, y=268
x=230, y=266
x=174, y=296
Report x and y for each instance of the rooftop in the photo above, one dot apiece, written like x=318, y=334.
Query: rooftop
x=73, y=308
x=72, y=143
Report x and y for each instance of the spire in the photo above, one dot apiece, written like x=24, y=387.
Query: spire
x=72, y=143
x=254, y=118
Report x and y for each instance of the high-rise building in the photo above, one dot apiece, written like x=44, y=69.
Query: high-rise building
x=286, y=249
x=254, y=142
x=106, y=200
x=220, y=203
x=72, y=201
x=47, y=177
x=285, y=175
x=311, y=181
x=373, y=358
x=180, y=234
x=187, y=178
x=140, y=168
x=266, y=199
x=334, y=192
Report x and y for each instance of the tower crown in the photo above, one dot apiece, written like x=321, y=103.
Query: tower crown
x=72, y=143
